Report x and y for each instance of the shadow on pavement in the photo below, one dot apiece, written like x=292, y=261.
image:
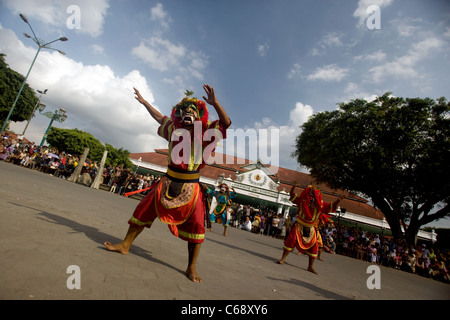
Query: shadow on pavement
x=324, y=294
x=95, y=235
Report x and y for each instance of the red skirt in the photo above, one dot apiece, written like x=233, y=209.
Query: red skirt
x=185, y=215
x=306, y=245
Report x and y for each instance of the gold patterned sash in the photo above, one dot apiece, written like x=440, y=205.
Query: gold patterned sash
x=182, y=198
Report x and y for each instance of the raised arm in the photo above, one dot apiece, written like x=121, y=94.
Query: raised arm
x=153, y=112
x=212, y=100
x=292, y=191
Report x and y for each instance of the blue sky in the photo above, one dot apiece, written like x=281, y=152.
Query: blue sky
x=272, y=63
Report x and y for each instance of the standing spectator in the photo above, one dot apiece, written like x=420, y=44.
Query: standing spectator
x=281, y=227
x=262, y=223
x=269, y=223
x=275, y=222
x=425, y=255
x=372, y=250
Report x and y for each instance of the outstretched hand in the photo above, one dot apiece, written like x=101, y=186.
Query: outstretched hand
x=211, y=99
x=153, y=112
x=138, y=96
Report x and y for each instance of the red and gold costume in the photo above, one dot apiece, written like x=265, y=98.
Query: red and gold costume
x=178, y=199
x=311, y=209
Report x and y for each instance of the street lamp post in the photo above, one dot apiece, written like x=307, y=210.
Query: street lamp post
x=59, y=115
x=34, y=109
x=41, y=45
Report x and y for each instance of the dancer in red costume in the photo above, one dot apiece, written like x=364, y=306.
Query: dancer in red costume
x=303, y=235
x=178, y=199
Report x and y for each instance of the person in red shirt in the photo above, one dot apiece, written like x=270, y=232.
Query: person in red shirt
x=177, y=199
x=303, y=236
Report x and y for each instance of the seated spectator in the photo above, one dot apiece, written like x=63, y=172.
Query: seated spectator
x=421, y=268
x=247, y=224
x=372, y=253
x=255, y=223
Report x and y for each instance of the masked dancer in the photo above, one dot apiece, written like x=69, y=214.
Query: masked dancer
x=303, y=235
x=221, y=214
x=178, y=199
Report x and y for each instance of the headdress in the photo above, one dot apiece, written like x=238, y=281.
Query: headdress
x=186, y=102
x=226, y=187
x=312, y=192
x=309, y=195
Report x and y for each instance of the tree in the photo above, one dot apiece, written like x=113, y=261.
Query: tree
x=74, y=141
x=10, y=83
x=118, y=157
x=395, y=151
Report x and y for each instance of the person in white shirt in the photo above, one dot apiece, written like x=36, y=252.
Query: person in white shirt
x=247, y=224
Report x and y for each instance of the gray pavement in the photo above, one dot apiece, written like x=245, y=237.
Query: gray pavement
x=48, y=224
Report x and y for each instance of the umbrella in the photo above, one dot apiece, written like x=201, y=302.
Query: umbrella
x=52, y=155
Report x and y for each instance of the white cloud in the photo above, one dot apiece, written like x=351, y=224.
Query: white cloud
x=54, y=13
x=95, y=98
x=329, y=72
x=408, y=27
x=377, y=56
x=263, y=49
x=405, y=67
x=329, y=40
x=361, y=11
x=181, y=63
x=332, y=39
x=287, y=133
x=160, y=54
x=159, y=14
x=98, y=49
x=447, y=33
x=295, y=71
x=354, y=91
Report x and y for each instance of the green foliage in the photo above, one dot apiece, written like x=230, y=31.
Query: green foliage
x=74, y=141
x=189, y=93
x=118, y=157
x=10, y=83
x=394, y=150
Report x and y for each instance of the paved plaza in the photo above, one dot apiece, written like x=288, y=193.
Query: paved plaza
x=48, y=224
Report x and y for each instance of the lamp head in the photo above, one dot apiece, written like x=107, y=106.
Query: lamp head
x=23, y=17
x=41, y=107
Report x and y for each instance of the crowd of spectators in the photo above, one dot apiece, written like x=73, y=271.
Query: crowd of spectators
x=423, y=259
x=44, y=159
x=119, y=180
x=122, y=181
x=261, y=221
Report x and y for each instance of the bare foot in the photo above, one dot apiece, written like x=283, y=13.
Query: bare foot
x=116, y=247
x=193, y=276
x=279, y=262
x=311, y=269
